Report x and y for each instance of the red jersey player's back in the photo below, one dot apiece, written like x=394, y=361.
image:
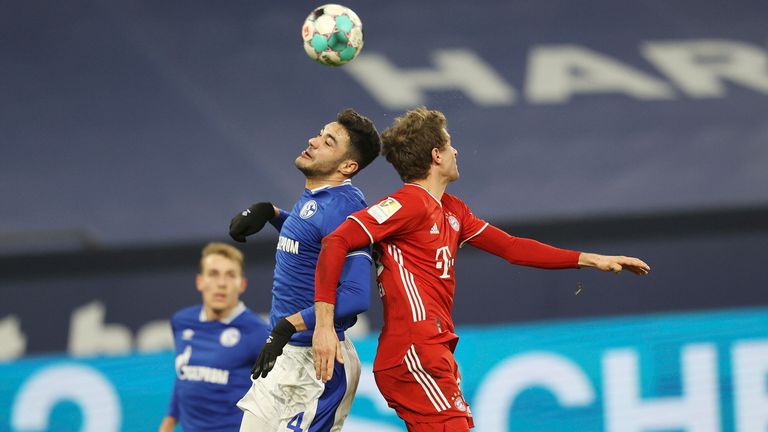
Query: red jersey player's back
x=418, y=238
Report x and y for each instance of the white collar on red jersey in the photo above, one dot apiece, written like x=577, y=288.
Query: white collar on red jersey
x=425, y=190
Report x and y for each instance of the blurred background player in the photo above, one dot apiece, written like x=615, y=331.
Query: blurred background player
x=291, y=398
x=419, y=230
x=216, y=343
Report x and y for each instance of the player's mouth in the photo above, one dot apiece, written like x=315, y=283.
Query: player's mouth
x=306, y=154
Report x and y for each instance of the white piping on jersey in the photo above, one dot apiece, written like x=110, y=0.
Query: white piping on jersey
x=344, y=183
x=356, y=253
x=364, y=228
x=435, y=395
x=473, y=235
x=409, y=284
x=239, y=309
x=426, y=190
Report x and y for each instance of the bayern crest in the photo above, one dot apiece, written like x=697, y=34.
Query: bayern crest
x=459, y=403
x=454, y=222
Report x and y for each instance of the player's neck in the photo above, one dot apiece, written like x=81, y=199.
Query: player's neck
x=213, y=315
x=434, y=185
x=314, y=183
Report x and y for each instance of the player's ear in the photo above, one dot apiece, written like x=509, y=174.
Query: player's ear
x=349, y=167
x=199, y=282
x=243, y=286
x=436, y=155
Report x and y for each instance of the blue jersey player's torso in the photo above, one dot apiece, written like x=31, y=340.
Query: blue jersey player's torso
x=213, y=366
x=317, y=213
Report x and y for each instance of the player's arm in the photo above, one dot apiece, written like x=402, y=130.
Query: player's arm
x=169, y=422
x=353, y=298
x=252, y=220
x=523, y=251
x=614, y=263
x=532, y=253
x=335, y=247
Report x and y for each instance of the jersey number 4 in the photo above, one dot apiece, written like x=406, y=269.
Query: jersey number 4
x=295, y=423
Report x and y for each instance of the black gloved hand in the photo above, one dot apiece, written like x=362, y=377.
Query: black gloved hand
x=272, y=348
x=250, y=221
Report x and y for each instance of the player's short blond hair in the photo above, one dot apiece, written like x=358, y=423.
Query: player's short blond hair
x=225, y=250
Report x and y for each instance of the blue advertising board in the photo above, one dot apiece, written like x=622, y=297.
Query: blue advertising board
x=692, y=372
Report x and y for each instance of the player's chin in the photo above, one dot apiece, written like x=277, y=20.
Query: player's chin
x=220, y=304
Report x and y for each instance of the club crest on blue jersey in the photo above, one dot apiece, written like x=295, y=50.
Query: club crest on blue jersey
x=309, y=209
x=230, y=337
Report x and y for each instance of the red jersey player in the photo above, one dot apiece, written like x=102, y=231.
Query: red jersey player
x=418, y=231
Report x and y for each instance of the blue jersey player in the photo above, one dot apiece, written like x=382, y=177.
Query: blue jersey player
x=285, y=395
x=216, y=343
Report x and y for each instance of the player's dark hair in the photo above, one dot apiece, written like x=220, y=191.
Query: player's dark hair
x=364, y=139
x=408, y=143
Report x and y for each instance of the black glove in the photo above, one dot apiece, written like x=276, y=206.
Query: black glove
x=250, y=221
x=272, y=348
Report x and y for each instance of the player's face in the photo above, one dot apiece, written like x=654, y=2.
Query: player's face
x=325, y=152
x=221, y=282
x=450, y=169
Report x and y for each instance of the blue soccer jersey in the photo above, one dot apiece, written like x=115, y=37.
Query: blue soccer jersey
x=213, y=367
x=317, y=213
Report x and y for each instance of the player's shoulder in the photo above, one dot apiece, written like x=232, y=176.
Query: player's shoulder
x=452, y=201
x=344, y=198
x=253, y=328
x=188, y=314
x=403, y=204
x=413, y=198
x=250, y=318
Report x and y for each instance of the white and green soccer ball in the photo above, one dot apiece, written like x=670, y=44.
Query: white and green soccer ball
x=333, y=35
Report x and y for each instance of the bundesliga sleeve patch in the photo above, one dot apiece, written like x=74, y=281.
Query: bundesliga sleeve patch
x=384, y=210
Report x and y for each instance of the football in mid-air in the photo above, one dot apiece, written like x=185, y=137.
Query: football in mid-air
x=333, y=35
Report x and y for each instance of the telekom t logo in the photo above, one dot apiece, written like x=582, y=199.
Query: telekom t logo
x=443, y=261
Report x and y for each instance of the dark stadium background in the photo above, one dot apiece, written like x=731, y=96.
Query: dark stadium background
x=133, y=131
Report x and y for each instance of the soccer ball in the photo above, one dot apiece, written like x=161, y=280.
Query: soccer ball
x=333, y=35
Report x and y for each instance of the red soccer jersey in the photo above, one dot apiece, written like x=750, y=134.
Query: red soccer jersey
x=418, y=238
